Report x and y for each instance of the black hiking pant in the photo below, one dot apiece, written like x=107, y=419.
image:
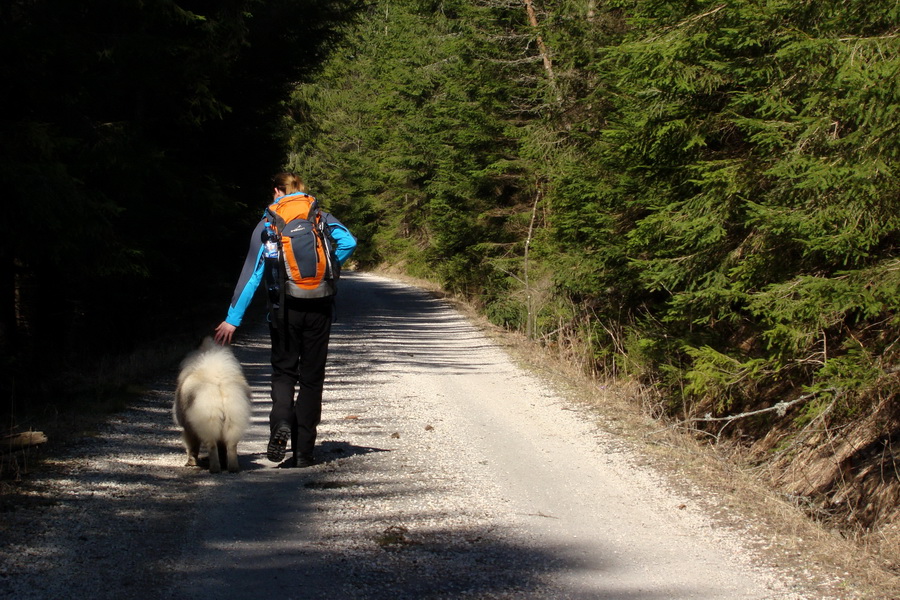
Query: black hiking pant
x=299, y=352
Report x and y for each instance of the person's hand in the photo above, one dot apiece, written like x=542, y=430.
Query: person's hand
x=224, y=333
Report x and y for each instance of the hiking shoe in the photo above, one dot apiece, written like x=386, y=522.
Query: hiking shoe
x=304, y=460
x=298, y=462
x=278, y=442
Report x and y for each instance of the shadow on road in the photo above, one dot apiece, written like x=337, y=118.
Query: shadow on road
x=343, y=529
x=130, y=522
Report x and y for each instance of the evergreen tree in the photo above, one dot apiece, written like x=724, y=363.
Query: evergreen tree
x=409, y=130
x=703, y=191
x=132, y=132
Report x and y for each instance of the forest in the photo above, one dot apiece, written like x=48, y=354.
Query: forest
x=697, y=196
x=137, y=141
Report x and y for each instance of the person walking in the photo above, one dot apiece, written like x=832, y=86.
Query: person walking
x=299, y=326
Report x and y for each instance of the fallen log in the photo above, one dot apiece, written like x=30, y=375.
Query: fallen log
x=20, y=441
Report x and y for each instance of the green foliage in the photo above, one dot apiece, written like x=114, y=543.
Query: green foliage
x=752, y=143
x=813, y=314
x=713, y=182
x=719, y=380
x=406, y=125
x=507, y=313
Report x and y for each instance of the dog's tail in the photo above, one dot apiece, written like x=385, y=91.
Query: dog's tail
x=218, y=410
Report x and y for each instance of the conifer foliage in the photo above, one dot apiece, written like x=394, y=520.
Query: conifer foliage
x=702, y=195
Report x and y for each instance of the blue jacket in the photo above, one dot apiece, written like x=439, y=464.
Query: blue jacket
x=252, y=272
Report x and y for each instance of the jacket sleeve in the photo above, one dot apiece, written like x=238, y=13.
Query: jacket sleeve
x=344, y=241
x=251, y=275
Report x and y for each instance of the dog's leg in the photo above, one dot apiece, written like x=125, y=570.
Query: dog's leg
x=232, y=455
x=191, y=446
x=223, y=453
x=214, y=465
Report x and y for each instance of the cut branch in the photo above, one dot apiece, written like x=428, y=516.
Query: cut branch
x=780, y=408
x=20, y=441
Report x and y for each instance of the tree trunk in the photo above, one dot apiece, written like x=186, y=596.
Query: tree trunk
x=530, y=317
x=542, y=47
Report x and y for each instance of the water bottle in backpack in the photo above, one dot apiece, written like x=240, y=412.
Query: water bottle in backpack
x=270, y=240
x=271, y=256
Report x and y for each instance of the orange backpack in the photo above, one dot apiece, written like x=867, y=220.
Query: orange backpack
x=308, y=268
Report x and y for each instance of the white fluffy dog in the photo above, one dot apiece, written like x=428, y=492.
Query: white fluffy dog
x=212, y=404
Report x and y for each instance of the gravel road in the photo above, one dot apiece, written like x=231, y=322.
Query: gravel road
x=446, y=471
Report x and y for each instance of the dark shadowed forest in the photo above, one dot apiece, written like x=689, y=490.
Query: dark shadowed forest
x=137, y=142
